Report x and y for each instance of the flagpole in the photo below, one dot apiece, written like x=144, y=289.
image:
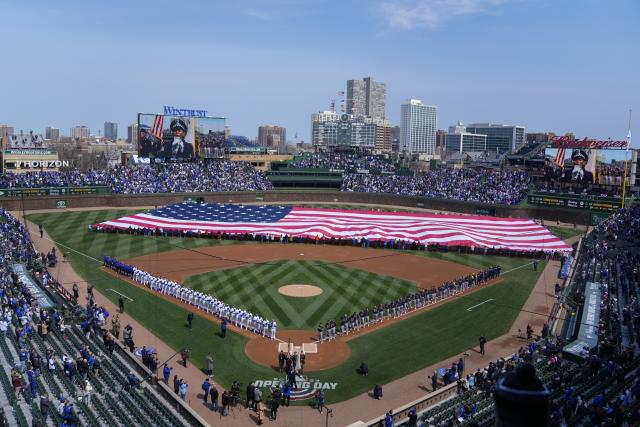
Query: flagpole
x=626, y=162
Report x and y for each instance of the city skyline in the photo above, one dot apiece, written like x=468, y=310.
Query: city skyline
x=538, y=64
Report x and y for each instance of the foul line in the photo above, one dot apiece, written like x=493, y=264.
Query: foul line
x=122, y=295
x=477, y=305
x=71, y=249
x=516, y=268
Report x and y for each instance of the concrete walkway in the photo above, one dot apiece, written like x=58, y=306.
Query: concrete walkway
x=362, y=407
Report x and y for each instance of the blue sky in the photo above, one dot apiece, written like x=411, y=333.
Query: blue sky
x=551, y=65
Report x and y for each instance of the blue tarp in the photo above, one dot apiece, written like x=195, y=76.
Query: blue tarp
x=39, y=295
x=566, y=267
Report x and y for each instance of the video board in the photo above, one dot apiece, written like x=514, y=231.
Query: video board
x=178, y=137
x=591, y=170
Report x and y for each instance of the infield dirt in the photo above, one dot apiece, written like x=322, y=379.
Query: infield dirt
x=179, y=264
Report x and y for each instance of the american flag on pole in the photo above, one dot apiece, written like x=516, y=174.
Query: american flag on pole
x=453, y=230
x=156, y=130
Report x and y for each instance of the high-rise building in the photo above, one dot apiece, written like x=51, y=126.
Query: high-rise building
x=111, y=130
x=132, y=134
x=366, y=97
x=441, y=141
x=465, y=142
x=383, y=137
x=458, y=139
x=331, y=130
x=52, y=134
x=356, y=98
x=502, y=138
x=417, y=127
x=395, y=139
x=80, y=132
x=272, y=136
x=6, y=130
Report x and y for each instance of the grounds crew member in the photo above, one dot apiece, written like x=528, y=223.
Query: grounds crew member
x=76, y=293
x=483, y=341
x=190, y=320
x=115, y=326
x=209, y=360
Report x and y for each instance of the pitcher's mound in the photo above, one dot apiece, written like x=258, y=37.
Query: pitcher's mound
x=300, y=290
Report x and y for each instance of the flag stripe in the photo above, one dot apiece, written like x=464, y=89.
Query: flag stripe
x=157, y=126
x=459, y=230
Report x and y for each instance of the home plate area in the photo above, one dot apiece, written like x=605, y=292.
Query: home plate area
x=307, y=348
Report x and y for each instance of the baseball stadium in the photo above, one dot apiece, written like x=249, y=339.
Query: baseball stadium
x=331, y=287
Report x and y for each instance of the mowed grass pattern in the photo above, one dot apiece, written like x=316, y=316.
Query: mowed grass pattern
x=391, y=352
x=73, y=226
x=255, y=289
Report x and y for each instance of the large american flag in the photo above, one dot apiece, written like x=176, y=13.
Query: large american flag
x=464, y=230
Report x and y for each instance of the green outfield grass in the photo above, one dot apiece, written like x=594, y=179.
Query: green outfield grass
x=391, y=352
x=565, y=232
x=255, y=288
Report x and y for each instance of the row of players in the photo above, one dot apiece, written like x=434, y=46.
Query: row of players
x=237, y=316
x=348, y=323
x=400, y=307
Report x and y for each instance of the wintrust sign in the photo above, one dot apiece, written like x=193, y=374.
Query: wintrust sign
x=184, y=112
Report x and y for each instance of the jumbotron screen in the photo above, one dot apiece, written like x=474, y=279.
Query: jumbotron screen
x=177, y=137
x=578, y=170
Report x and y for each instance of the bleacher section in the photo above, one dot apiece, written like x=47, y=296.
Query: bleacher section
x=238, y=141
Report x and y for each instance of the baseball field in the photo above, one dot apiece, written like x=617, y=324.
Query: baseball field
x=250, y=275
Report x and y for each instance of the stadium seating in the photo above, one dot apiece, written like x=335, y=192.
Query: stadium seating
x=604, y=389
x=112, y=401
x=343, y=162
x=238, y=141
x=213, y=176
x=488, y=186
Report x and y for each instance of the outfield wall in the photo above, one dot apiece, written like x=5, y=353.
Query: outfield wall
x=132, y=200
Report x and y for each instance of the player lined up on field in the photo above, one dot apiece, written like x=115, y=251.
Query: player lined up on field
x=237, y=316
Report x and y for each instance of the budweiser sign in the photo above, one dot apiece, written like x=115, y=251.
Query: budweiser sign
x=566, y=142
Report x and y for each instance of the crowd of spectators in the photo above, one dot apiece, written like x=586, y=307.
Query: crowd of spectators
x=212, y=176
x=75, y=178
x=540, y=384
x=52, y=373
x=344, y=162
x=487, y=186
x=537, y=386
x=19, y=308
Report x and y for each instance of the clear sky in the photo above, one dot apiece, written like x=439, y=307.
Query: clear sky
x=551, y=65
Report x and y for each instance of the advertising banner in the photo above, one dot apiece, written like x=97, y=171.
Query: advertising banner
x=52, y=191
x=577, y=202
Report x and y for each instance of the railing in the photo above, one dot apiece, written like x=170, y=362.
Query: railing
x=402, y=413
